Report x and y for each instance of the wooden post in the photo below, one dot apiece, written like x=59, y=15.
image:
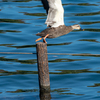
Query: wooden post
x=43, y=71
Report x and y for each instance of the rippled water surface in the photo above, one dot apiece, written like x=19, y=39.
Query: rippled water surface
x=72, y=77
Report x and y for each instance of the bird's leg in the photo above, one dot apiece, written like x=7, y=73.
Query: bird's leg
x=45, y=38
x=38, y=39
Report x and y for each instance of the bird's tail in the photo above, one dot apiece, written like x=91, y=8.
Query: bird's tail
x=38, y=39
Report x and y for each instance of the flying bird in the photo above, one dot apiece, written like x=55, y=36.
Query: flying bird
x=55, y=21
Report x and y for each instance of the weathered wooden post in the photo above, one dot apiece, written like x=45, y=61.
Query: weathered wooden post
x=43, y=71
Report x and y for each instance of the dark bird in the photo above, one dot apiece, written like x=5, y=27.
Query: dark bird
x=55, y=21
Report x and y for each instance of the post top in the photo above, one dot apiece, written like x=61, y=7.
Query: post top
x=40, y=43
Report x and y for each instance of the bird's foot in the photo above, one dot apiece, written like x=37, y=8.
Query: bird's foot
x=44, y=41
x=45, y=38
x=38, y=39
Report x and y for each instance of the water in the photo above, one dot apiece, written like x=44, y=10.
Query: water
x=71, y=77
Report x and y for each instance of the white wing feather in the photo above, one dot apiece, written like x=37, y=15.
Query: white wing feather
x=55, y=15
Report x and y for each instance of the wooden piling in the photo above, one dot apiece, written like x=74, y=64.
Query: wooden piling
x=42, y=62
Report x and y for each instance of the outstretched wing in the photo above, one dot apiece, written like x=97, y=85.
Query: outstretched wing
x=45, y=5
x=55, y=15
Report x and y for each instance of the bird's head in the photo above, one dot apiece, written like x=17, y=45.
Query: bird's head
x=76, y=27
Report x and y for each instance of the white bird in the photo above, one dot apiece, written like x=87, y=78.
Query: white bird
x=55, y=21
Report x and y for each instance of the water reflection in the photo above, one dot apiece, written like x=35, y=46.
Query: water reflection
x=66, y=43
x=83, y=54
x=90, y=40
x=16, y=0
x=64, y=91
x=81, y=4
x=6, y=73
x=71, y=94
x=88, y=14
x=12, y=20
x=23, y=90
x=73, y=71
x=92, y=30
x=66, y=60
x=4, y=31
x=87, y=4
x=31, y=61
x=95, y=85
x=56, y=72
x=45, y=95
x=29, y=46
x=89, y=23
x=19, y=47
x=70, y=71
x=34, y=14
x=7, y=45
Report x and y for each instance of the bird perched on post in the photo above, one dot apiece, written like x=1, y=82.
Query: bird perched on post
x=55, y=21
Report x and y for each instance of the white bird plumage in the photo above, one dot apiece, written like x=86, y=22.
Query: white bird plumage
x=55, y=15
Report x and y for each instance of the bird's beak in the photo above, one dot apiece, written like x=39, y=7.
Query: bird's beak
x=81, y=29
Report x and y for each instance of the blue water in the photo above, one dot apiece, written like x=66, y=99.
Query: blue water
x=71, y=77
